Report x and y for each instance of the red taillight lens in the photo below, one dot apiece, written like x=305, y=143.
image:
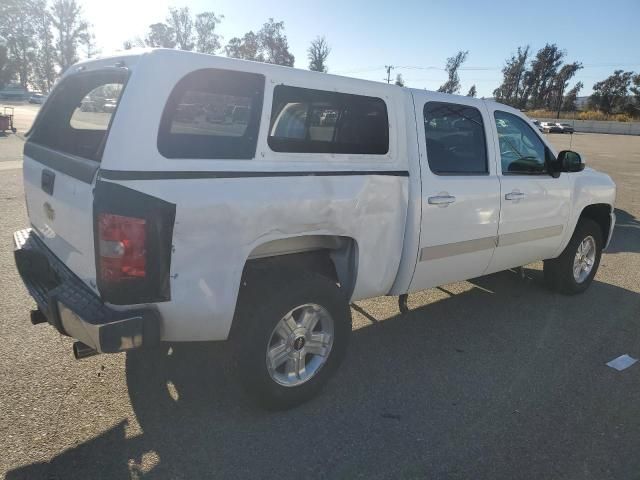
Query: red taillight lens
x=121, y=247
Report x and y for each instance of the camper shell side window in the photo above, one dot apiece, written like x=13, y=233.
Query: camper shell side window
x=212, y=114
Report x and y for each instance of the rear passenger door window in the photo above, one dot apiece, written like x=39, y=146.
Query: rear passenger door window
x=455, y=137
x=522, y=152
x=317, y=121
x=212, y=113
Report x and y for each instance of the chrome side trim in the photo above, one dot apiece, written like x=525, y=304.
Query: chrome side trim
x=529, y=235
x=458, y=248
x=469, y=246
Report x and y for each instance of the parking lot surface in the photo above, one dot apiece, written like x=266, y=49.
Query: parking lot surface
x=492, y=378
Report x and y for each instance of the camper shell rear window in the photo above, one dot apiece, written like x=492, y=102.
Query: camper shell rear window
x=77, y=117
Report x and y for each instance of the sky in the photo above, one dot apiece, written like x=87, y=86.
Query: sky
x=415, y=36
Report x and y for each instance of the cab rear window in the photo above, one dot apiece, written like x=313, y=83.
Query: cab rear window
x=77, y=117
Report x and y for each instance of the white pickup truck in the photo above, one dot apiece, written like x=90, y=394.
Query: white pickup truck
x=207, y=198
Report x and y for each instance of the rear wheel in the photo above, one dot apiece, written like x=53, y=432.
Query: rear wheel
x=573, y=271
x=290, y=335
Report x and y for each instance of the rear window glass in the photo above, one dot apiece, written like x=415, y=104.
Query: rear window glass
x=96, y=108
x=318, y=121
x=212, y=113
x=77, y=117
x=455, y=137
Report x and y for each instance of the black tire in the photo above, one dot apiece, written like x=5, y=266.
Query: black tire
x=558, y=272
x=265, y=298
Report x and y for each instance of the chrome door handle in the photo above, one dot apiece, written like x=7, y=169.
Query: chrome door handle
x=443, y=200
x=514, y=196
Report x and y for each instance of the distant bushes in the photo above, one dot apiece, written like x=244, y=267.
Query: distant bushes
x=584, y=115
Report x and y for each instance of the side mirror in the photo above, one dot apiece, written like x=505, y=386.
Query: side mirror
x=570, y=161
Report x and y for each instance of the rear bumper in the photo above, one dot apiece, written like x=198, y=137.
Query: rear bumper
x=74, y=309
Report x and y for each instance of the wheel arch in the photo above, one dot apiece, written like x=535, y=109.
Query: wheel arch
x=601, y=214
x=333, y=256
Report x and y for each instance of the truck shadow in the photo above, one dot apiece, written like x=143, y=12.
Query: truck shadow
x=626, y=235
x=502, y=379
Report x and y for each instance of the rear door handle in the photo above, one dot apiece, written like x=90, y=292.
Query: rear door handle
x=47, y=181
x=442, y=200
x=515, y=195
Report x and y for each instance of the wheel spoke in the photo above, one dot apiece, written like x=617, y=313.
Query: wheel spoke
x=296, y=366
x=577, y=268
x=309, y=319
x=285, y=327
x=318, y=343
x=278, y=355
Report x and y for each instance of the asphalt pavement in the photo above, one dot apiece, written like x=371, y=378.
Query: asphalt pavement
x=493, y=378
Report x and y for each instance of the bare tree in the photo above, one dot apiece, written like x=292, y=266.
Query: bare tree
x=399, y=80
x=472, y=91
x=452, y=85
x=180, y=21
x=317, y=53
x=71, y=30
x=207, y=40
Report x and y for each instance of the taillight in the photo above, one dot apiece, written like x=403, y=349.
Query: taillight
x=122, y=248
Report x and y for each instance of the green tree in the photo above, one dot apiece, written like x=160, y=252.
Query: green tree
x=635, y=89
x=5, y=72
x=472, y=92
x=246, y=48
x=452, y=85
x=45, y=65
x=560, y=82
x=318, y=52
x=160, y=35
x=611, y=94
x=135, y=42
x=512, y=87
x=399, y=80
x=18, y=27
x=539, y=80
x=70, y=31
x=268, y=45
x=180, y=21
x=207, y=40
x=569, y=102
x=274, y=44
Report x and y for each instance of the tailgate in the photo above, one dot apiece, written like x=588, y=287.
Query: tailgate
x=61, y=158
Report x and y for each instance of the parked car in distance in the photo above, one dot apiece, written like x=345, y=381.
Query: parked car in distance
x=565, y=127
x=550, y=127
x=37, y=98
x=109, y=105
x=538, y=126
x=157, y=227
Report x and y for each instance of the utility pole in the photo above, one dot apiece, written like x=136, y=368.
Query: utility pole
x=389, y=68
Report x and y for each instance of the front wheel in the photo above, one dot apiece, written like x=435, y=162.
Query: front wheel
x=290, y=335
x=573, y=271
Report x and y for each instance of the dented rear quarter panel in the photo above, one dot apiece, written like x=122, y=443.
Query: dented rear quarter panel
x=220, y=221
